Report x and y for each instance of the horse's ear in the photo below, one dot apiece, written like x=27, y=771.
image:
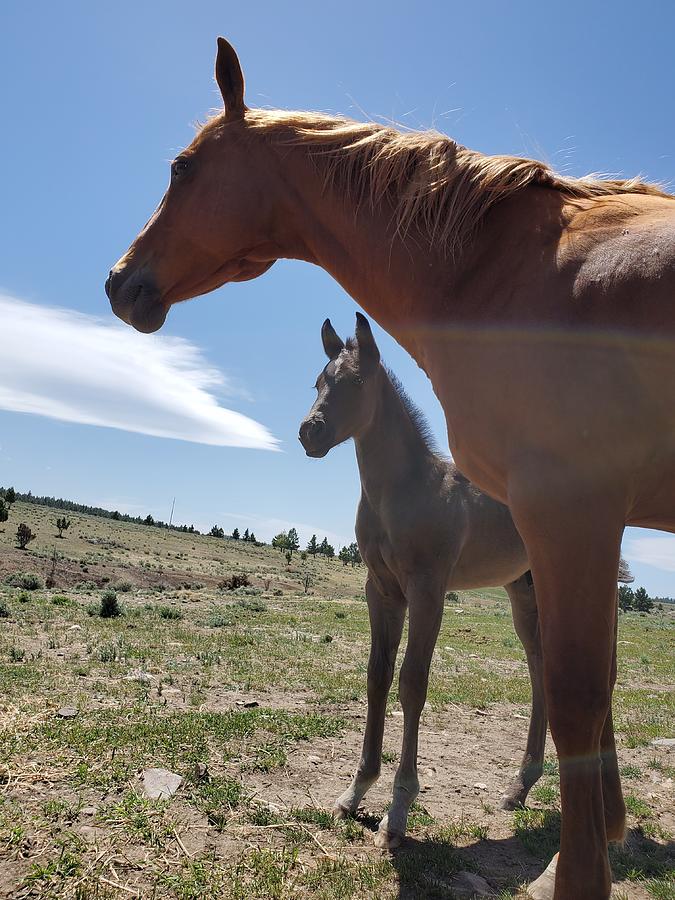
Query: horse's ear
x=332, y=342
x=369, y=355
x=230, y=79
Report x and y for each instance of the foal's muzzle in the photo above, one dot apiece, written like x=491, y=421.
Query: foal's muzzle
x=314, y=437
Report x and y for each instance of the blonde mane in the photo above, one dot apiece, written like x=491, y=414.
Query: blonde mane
x=438, y=189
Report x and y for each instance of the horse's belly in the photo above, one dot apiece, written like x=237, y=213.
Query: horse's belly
x=601, y=406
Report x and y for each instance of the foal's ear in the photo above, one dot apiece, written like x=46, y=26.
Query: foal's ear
x=230, y=79
x=369, y=355
x=332, y=342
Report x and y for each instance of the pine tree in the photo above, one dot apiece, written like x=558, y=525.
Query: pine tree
x=643, y=602
x=217, y=532
x=24, y=535
x=4, y=511
x=247, y=537
x=312, y=546
x=280, y=541
x=354, y=554
x=626, y=597
x=252, y=538
x=63, y=524
x=344, y=556
x=10, y=496
x=293, y=540
x=235, y=534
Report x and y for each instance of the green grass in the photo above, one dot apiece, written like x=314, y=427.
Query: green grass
x=164, y=685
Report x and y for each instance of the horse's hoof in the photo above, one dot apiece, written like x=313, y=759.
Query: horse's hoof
x=387, y=840
x=544, y=887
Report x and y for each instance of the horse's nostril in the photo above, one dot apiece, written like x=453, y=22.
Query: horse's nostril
x=108, y=283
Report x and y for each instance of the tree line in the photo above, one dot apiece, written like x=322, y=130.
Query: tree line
x=71, y=506
x=638, y=599
x=249, y=536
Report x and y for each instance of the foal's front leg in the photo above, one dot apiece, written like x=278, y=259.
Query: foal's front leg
x=387, y=615
x=426, y=613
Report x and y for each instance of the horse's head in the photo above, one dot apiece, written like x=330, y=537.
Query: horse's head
x=347, y=390
x=215, y=223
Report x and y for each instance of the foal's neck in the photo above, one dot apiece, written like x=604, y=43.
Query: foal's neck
x=391, y=447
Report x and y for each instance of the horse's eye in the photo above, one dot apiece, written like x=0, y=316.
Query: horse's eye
x=358, y=381
x=179, y=167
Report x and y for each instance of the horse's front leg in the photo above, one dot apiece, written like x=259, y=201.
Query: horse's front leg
x=387, y=615
x=426, y=612
x=526, y=622
x=572, y=533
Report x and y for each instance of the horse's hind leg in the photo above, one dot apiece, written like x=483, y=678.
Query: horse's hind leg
x=526, y=623
x=426, y=613
x=387, y=615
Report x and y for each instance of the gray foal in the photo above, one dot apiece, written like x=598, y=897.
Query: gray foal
x=422, y=529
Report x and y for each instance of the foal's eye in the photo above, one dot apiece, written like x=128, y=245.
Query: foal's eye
x=179, y=167
x=358, y=381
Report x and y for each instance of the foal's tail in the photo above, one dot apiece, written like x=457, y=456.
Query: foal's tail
x=625, y=575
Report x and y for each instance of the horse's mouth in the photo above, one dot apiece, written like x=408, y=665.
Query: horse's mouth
x=138, y=303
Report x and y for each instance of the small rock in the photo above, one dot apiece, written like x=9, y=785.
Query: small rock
x=481, y=786
x=518, y=716
x=467, y=884
x=474, y=656
x=431, y=770
x=159, y=784
x=314, y=759
x=251, y=704
x=139, y=675
x=75, y=628
x=88, y=811
x=458, y=609
x=67, y=712
x=201, y=772
x=398, y=713
x=663, y=742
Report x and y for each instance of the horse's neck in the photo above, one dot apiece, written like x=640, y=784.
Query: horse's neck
x=358, y=245
x=391, y=447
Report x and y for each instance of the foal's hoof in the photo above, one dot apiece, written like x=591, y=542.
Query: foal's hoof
x=511, y=801
x=387, y=840
x=544, y=887
x=341, y=812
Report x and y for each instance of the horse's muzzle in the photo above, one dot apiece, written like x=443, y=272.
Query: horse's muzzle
x=136, y=299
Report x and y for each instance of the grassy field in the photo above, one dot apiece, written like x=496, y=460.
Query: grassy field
x=256, y=698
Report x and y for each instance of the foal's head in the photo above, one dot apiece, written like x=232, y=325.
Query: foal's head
x=347, y=388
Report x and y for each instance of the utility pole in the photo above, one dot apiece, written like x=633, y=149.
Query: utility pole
x=172, y=509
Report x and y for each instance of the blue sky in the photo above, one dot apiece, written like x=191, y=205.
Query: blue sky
x=96, y=98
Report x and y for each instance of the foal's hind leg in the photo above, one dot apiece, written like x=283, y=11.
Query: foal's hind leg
x=612, y=795
x=526, y=623
x=426, y=613
x=387, y=615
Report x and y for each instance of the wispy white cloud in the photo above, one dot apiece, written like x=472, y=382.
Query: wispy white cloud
x=63, y=364
x=653, y=551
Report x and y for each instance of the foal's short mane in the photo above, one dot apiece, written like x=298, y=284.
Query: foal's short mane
x=417, y=417
x=439, y=189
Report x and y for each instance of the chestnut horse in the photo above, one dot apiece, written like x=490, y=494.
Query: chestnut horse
x=422, y=529
x=542, y=308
